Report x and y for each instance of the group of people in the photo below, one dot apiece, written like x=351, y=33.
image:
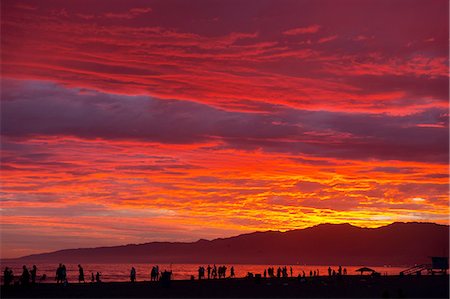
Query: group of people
x=212, y=273
x=341, y=271
x=24, y=279
x=215, y=272
x=81, y=278
x=281, y=272
x=154, y=274
x=61, y=274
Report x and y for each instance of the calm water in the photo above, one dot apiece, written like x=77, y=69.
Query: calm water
x=121, y=272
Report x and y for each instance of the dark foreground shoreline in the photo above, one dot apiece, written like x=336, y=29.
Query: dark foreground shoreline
x=317, y=287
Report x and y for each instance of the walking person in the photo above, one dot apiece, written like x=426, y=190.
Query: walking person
x=33, y=274
x=133, y=274
x=81, y=274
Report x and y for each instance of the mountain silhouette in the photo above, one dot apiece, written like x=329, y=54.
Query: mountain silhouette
x=397, y=244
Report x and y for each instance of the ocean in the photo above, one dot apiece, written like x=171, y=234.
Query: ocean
x=121, y=272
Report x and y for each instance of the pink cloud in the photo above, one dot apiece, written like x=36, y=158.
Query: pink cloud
x=302, y=30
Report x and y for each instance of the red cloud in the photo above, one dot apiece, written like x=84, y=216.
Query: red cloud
x=302, y=30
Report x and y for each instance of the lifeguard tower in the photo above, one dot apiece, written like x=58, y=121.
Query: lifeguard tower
x=439, y=265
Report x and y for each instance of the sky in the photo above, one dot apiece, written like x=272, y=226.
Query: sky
x=135, y=121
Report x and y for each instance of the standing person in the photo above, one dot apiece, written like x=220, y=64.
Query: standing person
x=8, y=276
x=25, y=278
x=92, y=277
x=232, y=272
x=58, y=273
x=133, y=274
x=290, y=268
x=345, y=271
x=265, y=273
x=199, y=273
x=97, y=277
x=329, y=271
x=64, y=274
x=214, y=272
x=340, y=271
x=209, y=271
x=80, y=274
x=33, y=274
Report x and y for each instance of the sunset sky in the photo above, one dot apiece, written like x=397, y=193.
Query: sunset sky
x=135, y=121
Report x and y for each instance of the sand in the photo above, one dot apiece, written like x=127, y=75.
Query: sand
x=317, y=287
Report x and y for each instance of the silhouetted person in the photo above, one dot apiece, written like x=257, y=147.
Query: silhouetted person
x=92, y=277
x=33, y=274
x=25, y=277
x=329, y=271
x=209, y=271
x=97, y=277
x=214, y=272
x=232, y=272
x=345, y=271
x=334, y=272
x=8, y=276
x=133, y=274
x=278, y=272
x=64, y=274
x=340, y=271
x=58, y=276
x=304, y=274
x=310, y=273
x=290, y=269
x=200, y=273
x=154, y=274
x=265, y=273
x=80, y=274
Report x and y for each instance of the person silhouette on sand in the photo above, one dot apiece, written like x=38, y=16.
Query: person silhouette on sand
x=97, y=277
x=133, y=274
x=214, y=271
x=290, y=269
x=209, y=271
x=92, y=277
x=199, y=272
x=329, y=271
x=64, y=274
x=80, y=274
x=58, y=274
x=8, y=276
x=25, y=277
x=232, y=272
x=33, y=274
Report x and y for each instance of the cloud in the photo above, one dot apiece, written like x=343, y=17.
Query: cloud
x=45, y=109
x=130, y=14
x=302, y=30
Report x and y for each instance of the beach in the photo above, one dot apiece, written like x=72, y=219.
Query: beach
x=352, y=286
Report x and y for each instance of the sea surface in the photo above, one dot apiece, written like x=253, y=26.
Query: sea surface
x=121, y=272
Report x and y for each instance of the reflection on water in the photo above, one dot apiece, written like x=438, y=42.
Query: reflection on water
x=121, y=272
